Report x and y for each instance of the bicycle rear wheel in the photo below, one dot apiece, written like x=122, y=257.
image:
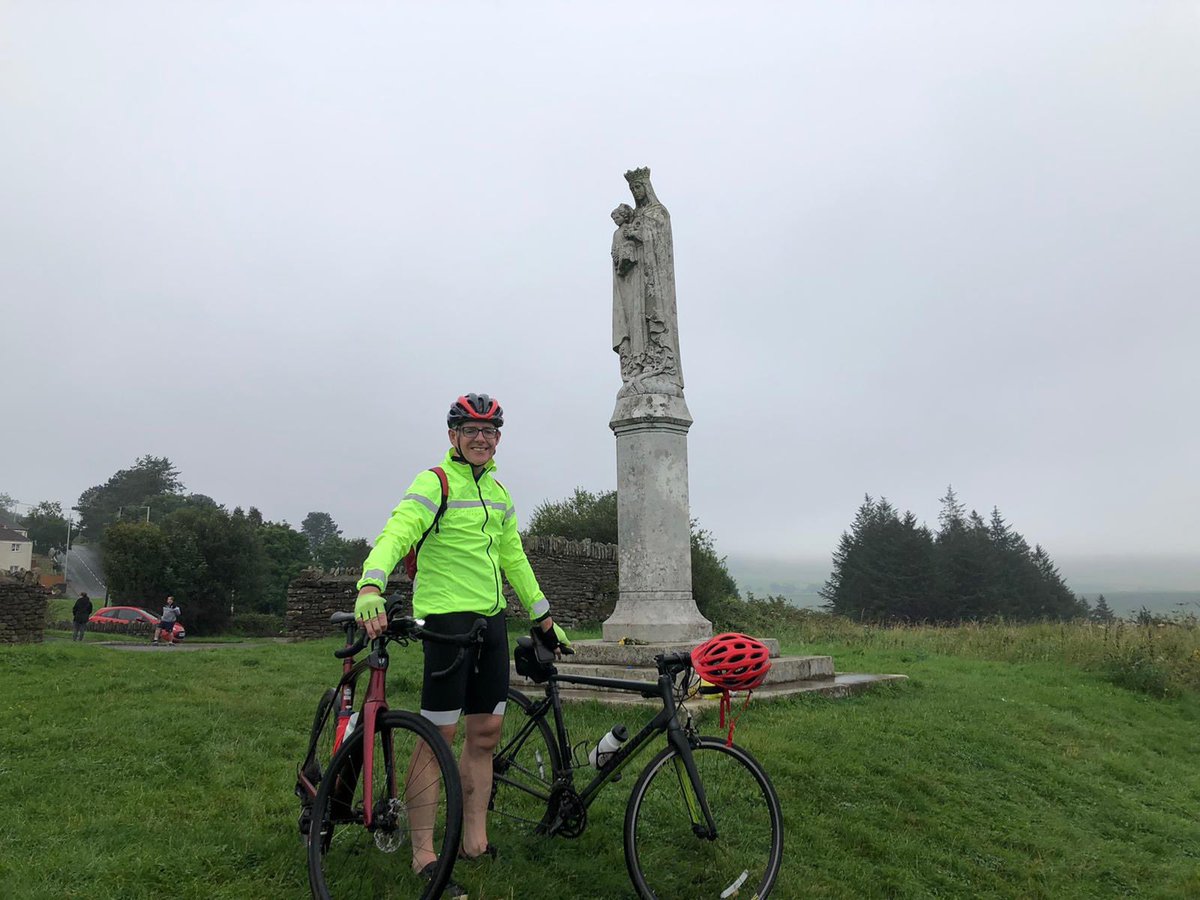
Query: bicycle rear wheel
x=668, y=859
x=413, y=805
x=320, y=740
x=524, y=766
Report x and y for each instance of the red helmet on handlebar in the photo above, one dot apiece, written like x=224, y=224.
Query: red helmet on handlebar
x=735, y=662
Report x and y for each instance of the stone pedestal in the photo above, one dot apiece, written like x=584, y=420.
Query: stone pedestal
x=789, y=675
x=653, y=523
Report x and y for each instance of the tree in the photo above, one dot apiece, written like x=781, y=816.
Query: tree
x=149, y=478
x=582, y=515
x=323, y=536
x=214, y=561
x=208, y=559
x=285, y=555
x=1101, y=612
x=883, y=567
x=889, y=567
x=47, y=526
x=585, y=515
x=135, y=563
x=8, y=505
x=712, y=584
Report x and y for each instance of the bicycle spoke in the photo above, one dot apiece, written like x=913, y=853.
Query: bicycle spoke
x=524, y=768
x=668, y=846
x=408, y=807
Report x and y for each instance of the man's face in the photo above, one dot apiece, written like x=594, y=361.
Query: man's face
x=473, y=442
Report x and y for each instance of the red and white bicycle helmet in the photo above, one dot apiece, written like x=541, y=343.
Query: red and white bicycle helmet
x=732, y=661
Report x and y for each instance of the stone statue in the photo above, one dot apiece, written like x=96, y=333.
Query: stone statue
x=645, y=326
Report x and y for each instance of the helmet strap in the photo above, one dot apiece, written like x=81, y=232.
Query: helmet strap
x=727, y=704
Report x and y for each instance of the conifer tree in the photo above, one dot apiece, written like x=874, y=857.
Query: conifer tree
x=1101, y=612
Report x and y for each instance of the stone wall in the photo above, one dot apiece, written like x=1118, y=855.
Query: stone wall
x=578, y=577
x=22, y=609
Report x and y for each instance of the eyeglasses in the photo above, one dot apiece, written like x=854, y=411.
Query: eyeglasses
x=470, y=431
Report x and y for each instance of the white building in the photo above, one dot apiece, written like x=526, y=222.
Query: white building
x=16, y=549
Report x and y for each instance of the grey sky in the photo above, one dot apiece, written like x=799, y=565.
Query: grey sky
x=916, y=244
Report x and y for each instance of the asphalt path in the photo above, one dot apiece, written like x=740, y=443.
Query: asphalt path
x=85, y=573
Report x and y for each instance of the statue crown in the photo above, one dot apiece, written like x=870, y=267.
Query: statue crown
x=642, y=174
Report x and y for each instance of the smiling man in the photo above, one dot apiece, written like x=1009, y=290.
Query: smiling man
x=464, y=550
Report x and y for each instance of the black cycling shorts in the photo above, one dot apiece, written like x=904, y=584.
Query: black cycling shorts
x=480, y=684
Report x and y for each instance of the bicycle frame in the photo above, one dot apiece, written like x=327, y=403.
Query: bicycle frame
x=666, y=720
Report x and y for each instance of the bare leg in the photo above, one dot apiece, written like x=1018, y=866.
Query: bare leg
x=422, y=794
x=483, y=733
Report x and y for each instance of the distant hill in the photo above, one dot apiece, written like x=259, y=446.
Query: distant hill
x=1161, y=603
x=797, y=580
x=1163, y=585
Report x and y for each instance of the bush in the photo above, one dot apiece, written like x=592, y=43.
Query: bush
x=252, y=624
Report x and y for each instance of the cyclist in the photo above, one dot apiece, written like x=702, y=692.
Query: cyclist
x=462, y=555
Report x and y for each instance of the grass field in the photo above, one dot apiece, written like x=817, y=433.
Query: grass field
x=1010, y=765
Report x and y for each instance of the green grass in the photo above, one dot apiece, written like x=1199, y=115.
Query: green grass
x=1029, y=776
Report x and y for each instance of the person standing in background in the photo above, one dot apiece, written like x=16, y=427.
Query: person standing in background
x=80, y=613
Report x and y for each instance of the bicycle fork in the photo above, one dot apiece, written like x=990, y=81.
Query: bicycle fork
x=691, y=785
x=372, y=707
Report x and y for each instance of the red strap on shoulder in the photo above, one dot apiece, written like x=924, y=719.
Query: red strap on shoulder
x=441, y=474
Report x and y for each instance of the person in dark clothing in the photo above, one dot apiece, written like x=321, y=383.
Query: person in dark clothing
x=80, y=613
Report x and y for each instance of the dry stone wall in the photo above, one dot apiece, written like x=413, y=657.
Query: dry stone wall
x=578, y=577
x=22, y=609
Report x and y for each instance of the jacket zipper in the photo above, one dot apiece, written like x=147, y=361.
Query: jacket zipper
x=488, y=550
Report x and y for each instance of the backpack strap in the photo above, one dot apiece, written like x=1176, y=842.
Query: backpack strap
x=410, y=561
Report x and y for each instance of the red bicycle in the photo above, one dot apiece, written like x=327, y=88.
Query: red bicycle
x=379, y=780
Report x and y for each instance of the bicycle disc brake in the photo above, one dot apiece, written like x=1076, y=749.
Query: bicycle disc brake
x=389, y=830
x=570, y=815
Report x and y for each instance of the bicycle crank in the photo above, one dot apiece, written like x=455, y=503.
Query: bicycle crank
x=570, y=815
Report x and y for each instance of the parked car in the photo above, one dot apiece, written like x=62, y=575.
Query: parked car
x=129, y=615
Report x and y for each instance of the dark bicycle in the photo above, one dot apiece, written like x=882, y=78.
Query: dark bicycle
x=703, y=819
x=390, y=782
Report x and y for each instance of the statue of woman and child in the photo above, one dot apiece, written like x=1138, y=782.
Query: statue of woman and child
x=645, y=326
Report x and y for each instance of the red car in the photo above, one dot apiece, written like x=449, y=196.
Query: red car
x=128, y=615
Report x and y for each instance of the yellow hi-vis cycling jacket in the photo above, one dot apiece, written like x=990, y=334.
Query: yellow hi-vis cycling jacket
x=460, y=564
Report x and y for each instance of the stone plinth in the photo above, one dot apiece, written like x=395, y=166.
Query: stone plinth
x=789, y=675
x=653, y=523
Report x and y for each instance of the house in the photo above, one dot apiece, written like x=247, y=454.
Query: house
x=16, y=549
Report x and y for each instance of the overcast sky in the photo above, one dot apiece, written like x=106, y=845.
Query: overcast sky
x=916, y=244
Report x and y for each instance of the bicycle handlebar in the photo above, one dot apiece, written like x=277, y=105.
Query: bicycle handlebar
x=403, y=627
x=354, y=648
x=672, y=663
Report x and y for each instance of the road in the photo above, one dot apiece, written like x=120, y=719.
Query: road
x=84, y=572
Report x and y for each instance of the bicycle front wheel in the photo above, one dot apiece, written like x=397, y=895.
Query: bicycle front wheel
x=416, y=806
x=525, y=763
x=669, y=858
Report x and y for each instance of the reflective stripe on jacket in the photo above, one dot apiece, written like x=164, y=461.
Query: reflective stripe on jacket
x=461, y=562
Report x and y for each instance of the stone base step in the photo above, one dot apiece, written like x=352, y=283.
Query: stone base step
x=844, y=684
x=784, y=669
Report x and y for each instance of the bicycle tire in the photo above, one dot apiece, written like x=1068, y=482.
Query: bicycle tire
x=666, y=858
x=347, y=860
x=524, y=768
x=320, y=739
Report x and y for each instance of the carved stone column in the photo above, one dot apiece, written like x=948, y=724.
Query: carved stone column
x=654, y=555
